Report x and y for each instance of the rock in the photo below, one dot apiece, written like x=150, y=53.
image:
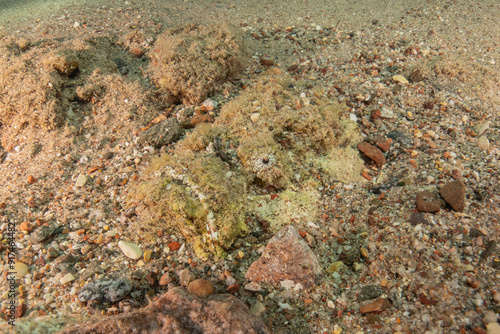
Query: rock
x=428, y=202
x=253, y=286
x=257, y=308
x=377, y=306
x=400, y=79
x=454, y=194
x=130, y=250
x=174, y=246
x=81, y=180
x=26, y=227
x=31, y=179
x=185, y=276
x=165, y=279
x=233, y=288
x=483, y=143
x=181, y=313
x=66, y=279
x=369, y=292
x=163, y=133
x=43, y=233
x=372, y=152
x=105, y=290
x=385, y=145
x=201, y=287
x=20, y=269
x=286, y=256
x=493, y=328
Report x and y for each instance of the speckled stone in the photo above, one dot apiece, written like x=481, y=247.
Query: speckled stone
x=104, y=290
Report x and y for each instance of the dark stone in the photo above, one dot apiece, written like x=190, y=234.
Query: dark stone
x=474, y=233
x=400, y=138
x=369, y=292
x=417, y=218
x=163, y=133
x=105, y=290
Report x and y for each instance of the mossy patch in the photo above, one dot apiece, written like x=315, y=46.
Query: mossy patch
x=278, y=134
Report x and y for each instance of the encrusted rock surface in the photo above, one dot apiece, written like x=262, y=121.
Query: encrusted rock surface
x=178, y=312
x=286, y=257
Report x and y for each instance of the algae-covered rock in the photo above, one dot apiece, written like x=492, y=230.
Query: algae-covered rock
x=191, y=62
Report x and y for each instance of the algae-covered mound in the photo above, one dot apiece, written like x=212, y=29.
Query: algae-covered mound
x=278, y=134
x=191, y=62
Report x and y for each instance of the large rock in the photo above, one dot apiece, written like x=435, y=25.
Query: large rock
x=178, y=312
x=454, y=194
x=286, y=257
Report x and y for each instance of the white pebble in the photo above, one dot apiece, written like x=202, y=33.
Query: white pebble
x=130, y=250
x=67, y=278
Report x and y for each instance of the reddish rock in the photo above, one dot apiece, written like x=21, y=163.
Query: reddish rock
x=31, y=179
x=233, y=288
x=428, y=202
x=174, y=246
x=201, y=287
x=372, y=152
x=165, y=279
x=137, y=52
x=375, y=114
x=454, y=194
x=26, y=227
x=266, y=62
x=182, y=313
x=385, y=145
x=286, y=256
x=376, y=306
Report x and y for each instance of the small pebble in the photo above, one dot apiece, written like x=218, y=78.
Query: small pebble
x=20, y=269
x=130, y=250
x=67, y=278
x=81, y=180
x=201, y=287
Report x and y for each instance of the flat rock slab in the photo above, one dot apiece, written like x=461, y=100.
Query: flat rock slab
x=286, y=257
x=179, y=312
x=454, y=194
